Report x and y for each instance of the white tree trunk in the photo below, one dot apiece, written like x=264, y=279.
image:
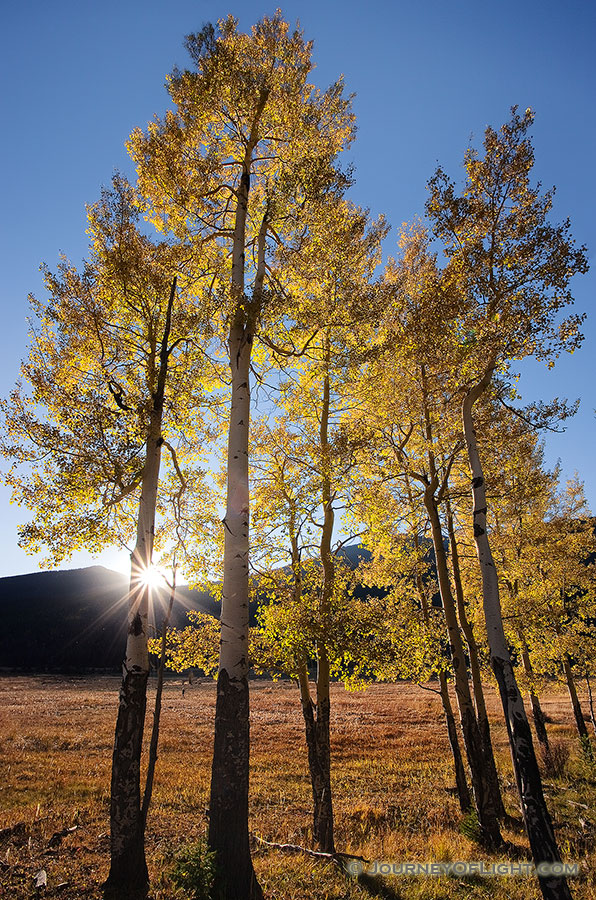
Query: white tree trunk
x=137, y=654
x=228, y=805
x=128, y=868
x=234, y=610
x=536, y=816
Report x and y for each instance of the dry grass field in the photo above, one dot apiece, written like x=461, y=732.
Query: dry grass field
x=391, y=773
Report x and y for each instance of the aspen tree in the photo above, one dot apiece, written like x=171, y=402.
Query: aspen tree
x=522, y=490
x=418, y=435
x=237, y=168
x=512, y=268
x=473, y=655
x=293, y=624
x=109, y=345
x=330, y=280
x=560, y=594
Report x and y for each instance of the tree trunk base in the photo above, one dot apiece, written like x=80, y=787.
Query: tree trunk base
x=228, y=811
x=319, y=764
x=463, y=793
x=537, y=820
x=128, y=868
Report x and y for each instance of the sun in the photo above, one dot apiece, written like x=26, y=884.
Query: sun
x=152, y=578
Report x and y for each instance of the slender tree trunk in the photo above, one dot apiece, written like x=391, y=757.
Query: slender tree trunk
x=578, y=715
x=316, y=722
x=228, y=810
x=153, y=745
x=481, y=713
x=316, y=719
x=487, y=814
x=323, y=814
x=463, y=793
x=323, y=801
x=539, y=827
x=537, y=714
x=128, y=868
x=228, y=805
x=592, y=716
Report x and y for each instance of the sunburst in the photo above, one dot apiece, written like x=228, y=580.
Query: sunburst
x=152, y=578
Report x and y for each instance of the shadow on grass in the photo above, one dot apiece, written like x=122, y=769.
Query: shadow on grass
x=376, y=887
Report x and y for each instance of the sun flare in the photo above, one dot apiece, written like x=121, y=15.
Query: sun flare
x=151, y=577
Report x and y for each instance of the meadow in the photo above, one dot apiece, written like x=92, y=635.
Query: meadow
x=392, y=780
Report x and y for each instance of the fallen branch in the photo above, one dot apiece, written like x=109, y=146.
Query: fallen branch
x=318, y=854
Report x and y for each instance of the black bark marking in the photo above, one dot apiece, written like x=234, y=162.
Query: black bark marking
x=136, y=626
x=478, y=531
x=477, y=482
x=480, y=512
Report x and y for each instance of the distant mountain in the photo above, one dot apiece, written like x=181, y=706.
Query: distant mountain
x=74, y=619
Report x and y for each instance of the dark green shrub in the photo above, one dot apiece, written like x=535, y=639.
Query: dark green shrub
x=194, y=871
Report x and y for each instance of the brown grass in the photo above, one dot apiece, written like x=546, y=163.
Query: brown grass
x=392, y=783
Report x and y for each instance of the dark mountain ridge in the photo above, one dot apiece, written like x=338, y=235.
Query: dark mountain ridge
x=75, y=619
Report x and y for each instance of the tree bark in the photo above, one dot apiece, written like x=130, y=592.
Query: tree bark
x=591, y=703
x=536, y=816
x=463, y=793
x=128, y=875
x=487, y=814
x=323, y=812
x=316, y=722
x=228, y=809
x=228, y=806
x=316, y=716
x=461, y=783
x=153, y=745
x=128, y=869
x=481, y=713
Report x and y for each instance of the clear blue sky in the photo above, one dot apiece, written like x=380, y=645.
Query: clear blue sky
x=77, y=76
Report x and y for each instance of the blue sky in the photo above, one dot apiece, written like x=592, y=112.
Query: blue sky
x=78, y=76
